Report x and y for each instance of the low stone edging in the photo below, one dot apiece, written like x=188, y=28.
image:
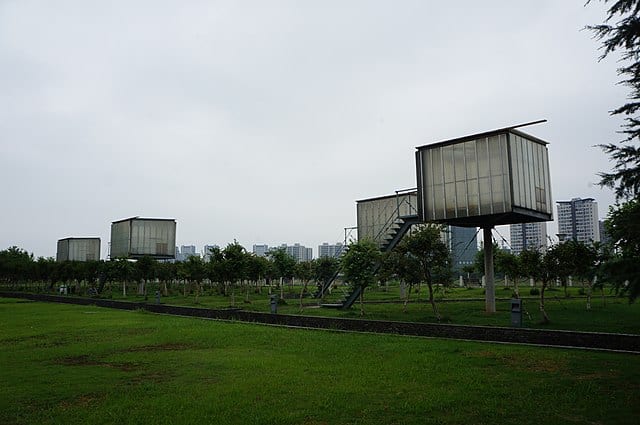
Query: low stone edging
x=558, y=338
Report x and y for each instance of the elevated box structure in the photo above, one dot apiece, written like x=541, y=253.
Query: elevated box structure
x=377, y=216
x=78, y=249
x=137, y=237
x=486, y=179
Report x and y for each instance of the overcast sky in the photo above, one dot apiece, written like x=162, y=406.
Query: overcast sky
x=263, y=121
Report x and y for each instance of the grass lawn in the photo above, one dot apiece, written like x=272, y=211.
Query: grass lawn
x=457, y=306
x=82, y=364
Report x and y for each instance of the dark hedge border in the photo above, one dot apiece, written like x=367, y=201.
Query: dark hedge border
x=587, y=340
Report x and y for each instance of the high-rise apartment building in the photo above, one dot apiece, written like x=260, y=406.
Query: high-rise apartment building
x=206, y=251
x=261, y=250
x=578, y=220
x=327, y=250
x=299, y=252
x=605, y=238
x=186, y=251
x=532, y=236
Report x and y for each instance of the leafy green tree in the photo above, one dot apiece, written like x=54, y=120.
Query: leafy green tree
x=166, y=272
x=257, y=269
x=619, y=33
x=124, y=271
x=405, y=267
x=145, y=269
x=623, y=268
x=304, y=271
x=15, y=264
x=284, y=265
x=325, y=269
x=195, y=271
x=235, y=265
x=359, y=266
x=434, y=258
x=509, y=264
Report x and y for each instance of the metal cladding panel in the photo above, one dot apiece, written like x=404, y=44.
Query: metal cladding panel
x=84, y=249
x=470, y=182
x=120, y=239
x=153, y=237
x=62, y=253
x=375, y=216
x=78, y=249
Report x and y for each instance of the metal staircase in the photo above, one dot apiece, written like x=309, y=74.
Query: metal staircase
x=390, y=234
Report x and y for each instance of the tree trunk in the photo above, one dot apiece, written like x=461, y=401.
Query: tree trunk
x=281, y=289
x=362, y=302
x=545, y=318
x=433, y=302
x=406, y=299
x=304, y=288
x=124, y=288
x=515, y=288
x=588, y=295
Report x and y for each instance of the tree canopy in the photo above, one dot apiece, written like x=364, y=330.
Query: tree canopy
x=620, y=32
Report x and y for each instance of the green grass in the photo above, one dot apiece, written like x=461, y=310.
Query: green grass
x=81, y=364
x=457, y=306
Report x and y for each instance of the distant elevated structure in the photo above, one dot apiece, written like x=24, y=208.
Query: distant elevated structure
x=484, y=180
x=137, y=237
x=78, y=249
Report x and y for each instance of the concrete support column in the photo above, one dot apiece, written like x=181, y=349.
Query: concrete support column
x=490, y=292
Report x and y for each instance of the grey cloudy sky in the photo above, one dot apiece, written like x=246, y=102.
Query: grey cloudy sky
x=263, y=121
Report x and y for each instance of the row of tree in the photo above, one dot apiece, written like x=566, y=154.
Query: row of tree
x=227, y=270
x=422, y=257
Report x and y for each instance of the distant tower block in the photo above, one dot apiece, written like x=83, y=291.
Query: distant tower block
x=78, y=249
x=137, y=237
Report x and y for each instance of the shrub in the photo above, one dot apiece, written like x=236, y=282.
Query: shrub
x=534, y=291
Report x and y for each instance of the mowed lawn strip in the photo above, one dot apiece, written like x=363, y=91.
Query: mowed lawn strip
x=82, y=364
x=611, y=314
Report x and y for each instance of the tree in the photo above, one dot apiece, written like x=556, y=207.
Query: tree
x=509, y=264
x=124, y=272
x=235, y=265
x=304, y=271
x=539, y=267
x=433, y=256
x=284, y=265
x=145, y=269
x=405, y=266
x=195, y=271
x=623, y=268
x=359, y=266
x=15, y=264
x=619, y=33
x=325, y=268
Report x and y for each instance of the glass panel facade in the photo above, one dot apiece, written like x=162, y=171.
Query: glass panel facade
x=484, y=176
x=531, y=182
x=376, y=216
